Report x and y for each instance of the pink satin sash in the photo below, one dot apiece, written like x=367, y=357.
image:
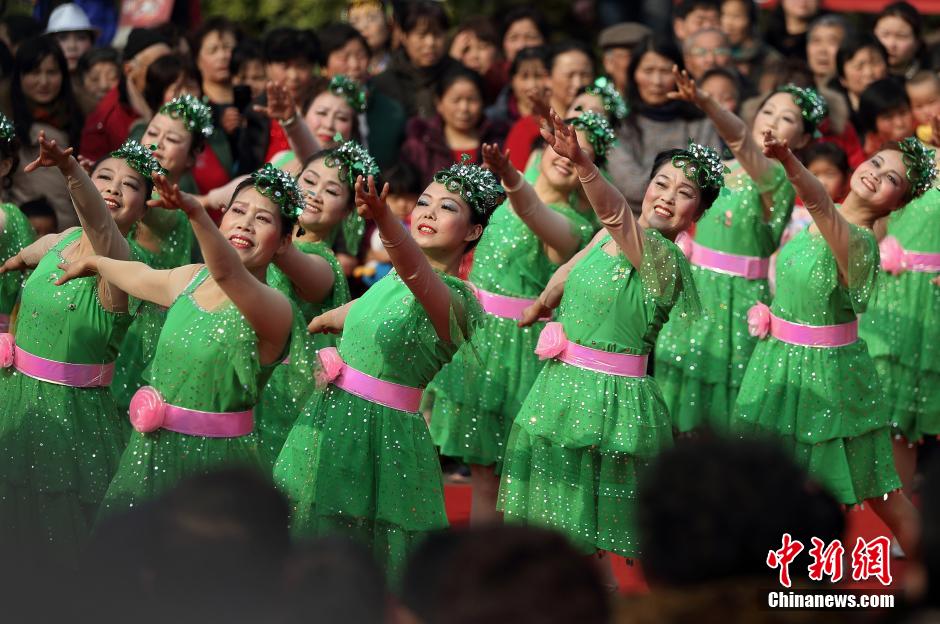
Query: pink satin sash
x=748, y=267
x=208, y=424
x=63, y=373
x=921, y=262
x=814, y=335
x=553, y=343
x=503, y=306
x=337, y=372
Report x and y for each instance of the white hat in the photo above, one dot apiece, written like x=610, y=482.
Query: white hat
x=70, y=18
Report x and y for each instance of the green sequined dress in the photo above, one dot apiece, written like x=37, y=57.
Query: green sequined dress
x=582, y=437
x=59, y=445
x=825, y=404
x=902, y=325
x=291, y=384
x=140, y=344
x=16, y=234
x=477, y=395
x=205, y=360
x=699, y=366
x=358, y=468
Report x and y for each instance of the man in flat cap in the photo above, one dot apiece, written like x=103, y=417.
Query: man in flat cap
x=616, y=42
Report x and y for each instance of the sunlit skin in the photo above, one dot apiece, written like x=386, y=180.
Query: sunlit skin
x=880, y=183
x=781, y=115
x=654, y=79
x=440, y=223
x=558, y=174
x=330, y=114
x=531, y=77
x=101, y=78
x=252, y=226
x=522, y=33
x=327, y=200
x=424, y=45
x=174, y=143
x=570, y=71
x=351, y=60
x=898, y=38
x=822, y=44
x=74, y=44
x=124, y=191
x=43, y=83
x=671, y=202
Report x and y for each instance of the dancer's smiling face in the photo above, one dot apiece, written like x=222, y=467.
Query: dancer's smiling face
x=881, y=181
x=558, y=170
x=254, y=227
x=671, y=203
x=125, y=191
x=441, y=221
x=174, y=144
x=327, y=199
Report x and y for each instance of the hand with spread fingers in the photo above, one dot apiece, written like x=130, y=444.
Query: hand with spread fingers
x=171, y=197
x=686, y=89
x=775, y=148
x=564, y=140
x=51, y=155
x=369, y=203
x=497, y=161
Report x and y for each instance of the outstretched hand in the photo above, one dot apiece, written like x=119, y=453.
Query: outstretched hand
x=370, y=204
x=324, y=324
x=50, y=155
x=774, y=147
x=280, y=105
x=84, y=267
x=686, y=89
x=16, y=263
x=564, y=140
x=535, y=312
x=497, y=161
x=170, y=197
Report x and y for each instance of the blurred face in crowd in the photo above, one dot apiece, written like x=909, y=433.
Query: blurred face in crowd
x=586, y=102
x=616, y=63
x=724, y=90
x=831, y=177
x=698, y=19
x=174, y=143
x=530, y=79
x=654, y=78
x=370, y=21
x=780, y=115
x=328, y=115
x=521, y=34
x=475, y=53
x=424, y=45
x=101, y=78
x=706, y=50
x=821, y=47
x=214, y=57
x=559, y=171
x=295, y=74
x=571, y=71
x=894, y=124
x=898, y=38
x=43, y=83
x=800, y=9
x=925, y=100
x=252, y=74
x=736, y=21
x=351, y=60
x=461, y=106
x=73, y=45
x=136, y=68
x=867, y=66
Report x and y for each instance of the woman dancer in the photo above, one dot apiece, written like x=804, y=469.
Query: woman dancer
x=15, y=231
x=477, y=396
x=224, y=322
x=812, y=383
x=61, y=432
x=593, y=417
x=359, y=459
x=699, y=365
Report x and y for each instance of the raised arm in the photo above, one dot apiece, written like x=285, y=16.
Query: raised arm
x=281, y=108
x=731, y=128
x=135, y=278
x=407, y=258
x=609, y=205
x=553, y=229
x=831, y=224
x=102, y=232
x=332, y=321
x=29, y=256
x=311, y=275
x=267, y=311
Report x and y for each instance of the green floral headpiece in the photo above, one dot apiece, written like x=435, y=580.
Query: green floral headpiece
x=812, y=105
x=921, y=165
x=281, y=188
x=194, y=112
x=7, y=130
x=702, y=165
x=140, y=158
x=349, y=90
x=352, y=160
x=614, y=104
x=598, y=131
x=478, y=186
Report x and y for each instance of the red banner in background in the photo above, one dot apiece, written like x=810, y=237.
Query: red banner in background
x=145, y=13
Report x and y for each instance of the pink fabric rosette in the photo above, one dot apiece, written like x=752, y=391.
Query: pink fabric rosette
x=147, y=410
x=758, y=320
x=892, y=255
x=684, y=242
x=552, y=341
x=6, y=350
x=331, y=365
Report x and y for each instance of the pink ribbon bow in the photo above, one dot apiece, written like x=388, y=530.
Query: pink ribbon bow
x=552, y=341
x=758, y=320
x=892, y=255
x=331, y=365
x=147, y=410
x=684, y=242
x=6, y=350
